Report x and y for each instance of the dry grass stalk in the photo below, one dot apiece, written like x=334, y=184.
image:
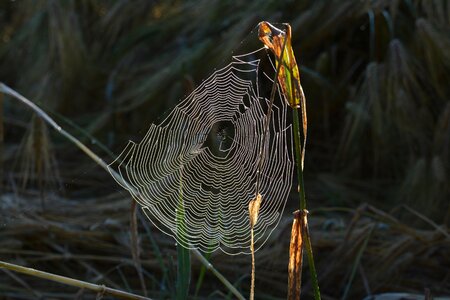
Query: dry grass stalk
x=253, y=210
x=296, y=255
x=70, y=281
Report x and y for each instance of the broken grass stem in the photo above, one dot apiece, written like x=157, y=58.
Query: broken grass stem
x=70, y=281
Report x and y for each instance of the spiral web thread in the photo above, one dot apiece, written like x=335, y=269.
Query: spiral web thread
x=203, y=158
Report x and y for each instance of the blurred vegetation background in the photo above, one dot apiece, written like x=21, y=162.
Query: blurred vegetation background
x=376, y=76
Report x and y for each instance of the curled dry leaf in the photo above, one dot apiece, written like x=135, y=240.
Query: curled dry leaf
x=253, y=209
x=280, y=43
x=296, y=255
x=289, y=75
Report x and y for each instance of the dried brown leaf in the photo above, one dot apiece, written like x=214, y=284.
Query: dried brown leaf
x=296, y=255
x=253, y=209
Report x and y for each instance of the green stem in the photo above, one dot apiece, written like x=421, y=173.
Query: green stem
x=302, y=203
x=219, y=276
x=298, y=159
x=312, y=267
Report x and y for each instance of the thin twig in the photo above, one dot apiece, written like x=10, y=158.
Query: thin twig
x=70, y=281
x=252, y=250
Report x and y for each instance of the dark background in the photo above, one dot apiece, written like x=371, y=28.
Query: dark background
x=376, y=76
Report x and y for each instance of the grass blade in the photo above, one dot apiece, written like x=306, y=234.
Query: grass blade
x=183, y=271
x=216, y=273
x=183, y=254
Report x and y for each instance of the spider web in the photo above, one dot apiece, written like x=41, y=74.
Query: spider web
x=203, y=158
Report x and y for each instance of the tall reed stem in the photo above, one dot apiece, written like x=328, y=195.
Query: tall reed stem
x=302, y=201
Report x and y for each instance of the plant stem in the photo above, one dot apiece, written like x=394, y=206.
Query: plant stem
x=252, y=250
x=298, y=160
x=312, y=267
x=302, y=202
x=183, y=253
x=72, y=282
x=213, y=270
